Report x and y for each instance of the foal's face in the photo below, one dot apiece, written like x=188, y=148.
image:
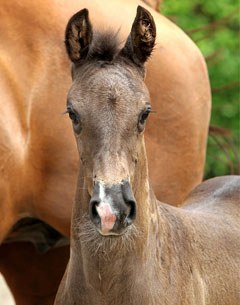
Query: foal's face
x=108, y=104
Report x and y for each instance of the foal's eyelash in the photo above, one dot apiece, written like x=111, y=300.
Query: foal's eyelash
x=67, y=111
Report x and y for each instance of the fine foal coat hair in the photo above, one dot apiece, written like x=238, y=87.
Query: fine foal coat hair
x=165, y=255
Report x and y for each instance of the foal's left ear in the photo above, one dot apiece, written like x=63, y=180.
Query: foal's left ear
x=78, y=36
x=141, y=40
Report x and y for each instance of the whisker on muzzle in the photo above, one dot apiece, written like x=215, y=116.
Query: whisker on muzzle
x=105, y=246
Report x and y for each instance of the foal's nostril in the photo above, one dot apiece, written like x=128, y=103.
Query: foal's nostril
x=132, y=211
x=93, y=211
x=129, y=201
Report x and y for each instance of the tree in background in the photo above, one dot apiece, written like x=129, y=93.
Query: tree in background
x=155, y=4
x=214, y=26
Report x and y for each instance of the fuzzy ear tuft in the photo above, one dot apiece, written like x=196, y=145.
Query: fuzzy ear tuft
x=78, y=36
x=141, y=40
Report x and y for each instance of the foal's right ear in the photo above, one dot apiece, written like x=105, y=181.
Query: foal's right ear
x=78, y=36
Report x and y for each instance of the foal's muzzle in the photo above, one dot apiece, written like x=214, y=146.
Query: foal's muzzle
x=112, y=208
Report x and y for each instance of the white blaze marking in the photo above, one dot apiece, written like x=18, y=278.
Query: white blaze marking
x=105, y=211
x=101, y=192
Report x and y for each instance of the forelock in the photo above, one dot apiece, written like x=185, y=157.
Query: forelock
x=104, y=47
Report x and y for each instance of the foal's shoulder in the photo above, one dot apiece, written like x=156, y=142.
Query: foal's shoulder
x=220, y=192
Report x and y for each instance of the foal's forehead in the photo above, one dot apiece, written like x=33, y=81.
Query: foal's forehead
x=108, y=82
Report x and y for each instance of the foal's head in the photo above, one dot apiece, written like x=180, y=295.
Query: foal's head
x=108, y=104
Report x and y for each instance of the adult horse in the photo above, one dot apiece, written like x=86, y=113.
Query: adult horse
x=127, y=247
x=38, y=161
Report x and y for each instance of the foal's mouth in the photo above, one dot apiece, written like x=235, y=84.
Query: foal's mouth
x=111, y=233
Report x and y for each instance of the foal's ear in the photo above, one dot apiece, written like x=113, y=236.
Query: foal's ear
x=141, y=40
x=78, y=36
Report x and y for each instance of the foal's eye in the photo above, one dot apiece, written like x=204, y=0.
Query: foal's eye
x=75, y=119
x=142, y=119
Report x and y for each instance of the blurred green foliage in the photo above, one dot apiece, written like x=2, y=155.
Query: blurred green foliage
x=214, y=26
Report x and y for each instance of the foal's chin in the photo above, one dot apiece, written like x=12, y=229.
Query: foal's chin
x=112, y=234
x=96, y=242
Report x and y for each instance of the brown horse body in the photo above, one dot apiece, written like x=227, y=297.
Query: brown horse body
x=127, y=247
x=36, y=177
x=38, y=162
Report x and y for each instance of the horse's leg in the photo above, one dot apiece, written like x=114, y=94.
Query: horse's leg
x=32, y=277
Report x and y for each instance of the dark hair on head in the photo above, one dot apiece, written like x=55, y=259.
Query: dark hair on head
x=104, y=46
